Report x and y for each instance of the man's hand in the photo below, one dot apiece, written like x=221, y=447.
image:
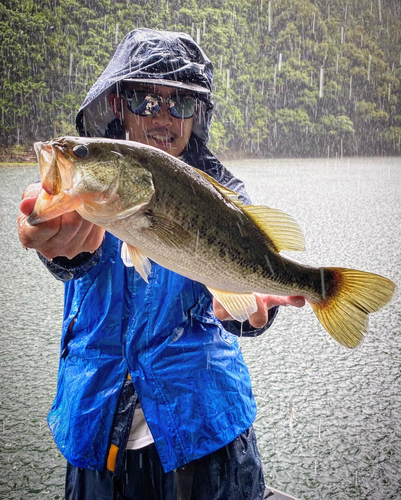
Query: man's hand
x=264, y=302
x=64, y=236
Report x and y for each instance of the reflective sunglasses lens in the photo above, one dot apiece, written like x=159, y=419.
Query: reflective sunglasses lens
x=144, y=104
x=182, y=106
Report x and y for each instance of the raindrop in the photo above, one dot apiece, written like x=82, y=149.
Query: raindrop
x=323, y=285
x=228, y=78
x=369, y=63
x=269, y=264
x=280, y=60
x=321, y=82
x=342, y=35
x=269, y=28
x=116, y=33
x=350, y=87
x=275, y=78
x=291, y=414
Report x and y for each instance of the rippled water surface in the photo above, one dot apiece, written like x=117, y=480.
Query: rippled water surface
x=329, y=420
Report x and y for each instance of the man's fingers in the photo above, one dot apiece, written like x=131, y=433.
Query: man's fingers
x=279, y=300
x=28, y=198
x=259, y=318
x=296, y=301
x=88, y=238
x=220, y=312
x=264, y=302
x=27, y=205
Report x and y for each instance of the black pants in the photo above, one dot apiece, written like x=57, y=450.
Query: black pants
x=231, y=473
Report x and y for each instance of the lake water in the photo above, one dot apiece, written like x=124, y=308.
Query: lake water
x=329, y=419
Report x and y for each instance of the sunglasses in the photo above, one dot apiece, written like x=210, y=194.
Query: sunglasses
x=148, y=104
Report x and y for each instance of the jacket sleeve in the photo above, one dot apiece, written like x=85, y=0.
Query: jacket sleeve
x=65, y=269
x=247, y=330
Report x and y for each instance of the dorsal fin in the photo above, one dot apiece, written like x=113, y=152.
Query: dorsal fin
x=227, y=193
x=281, y=229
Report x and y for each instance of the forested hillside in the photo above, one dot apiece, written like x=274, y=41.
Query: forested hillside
x=292, y=77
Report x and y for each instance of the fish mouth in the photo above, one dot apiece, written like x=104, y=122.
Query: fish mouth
x=53, y=200
x=50, y=174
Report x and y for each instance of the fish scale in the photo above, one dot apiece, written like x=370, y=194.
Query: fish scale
x=170, y=213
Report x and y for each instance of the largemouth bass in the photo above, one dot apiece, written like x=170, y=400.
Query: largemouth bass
x=171, y=213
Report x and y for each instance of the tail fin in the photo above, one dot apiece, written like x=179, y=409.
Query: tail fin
x=344, y=314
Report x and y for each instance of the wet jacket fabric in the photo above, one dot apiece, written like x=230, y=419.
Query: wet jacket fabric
x=123, y=338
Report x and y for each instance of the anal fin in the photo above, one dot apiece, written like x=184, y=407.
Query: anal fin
x=239, y=305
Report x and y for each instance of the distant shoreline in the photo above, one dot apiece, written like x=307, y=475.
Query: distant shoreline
x=28, y=163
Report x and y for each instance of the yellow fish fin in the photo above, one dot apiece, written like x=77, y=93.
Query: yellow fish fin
x=132, y=257
x=231, y=195
x=239, y=306
x=344, y=312
x=281, y=229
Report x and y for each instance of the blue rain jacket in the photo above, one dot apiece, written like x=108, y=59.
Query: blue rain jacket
x=185, y=367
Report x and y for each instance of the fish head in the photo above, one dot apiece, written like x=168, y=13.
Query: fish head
x=101, y=178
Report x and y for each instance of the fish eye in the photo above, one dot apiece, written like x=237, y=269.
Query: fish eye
x=80, y=151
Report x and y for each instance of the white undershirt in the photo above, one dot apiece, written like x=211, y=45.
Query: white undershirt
x=140, y=435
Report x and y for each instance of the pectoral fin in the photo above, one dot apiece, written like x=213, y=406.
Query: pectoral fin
x=132, y=257
x=169, y=231
x=239, y=306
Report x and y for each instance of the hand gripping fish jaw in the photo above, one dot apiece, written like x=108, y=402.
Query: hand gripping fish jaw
x=54, y=199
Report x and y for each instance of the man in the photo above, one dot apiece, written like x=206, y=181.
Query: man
x=154, y=399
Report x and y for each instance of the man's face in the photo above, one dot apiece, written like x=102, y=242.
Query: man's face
x=161, y=130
